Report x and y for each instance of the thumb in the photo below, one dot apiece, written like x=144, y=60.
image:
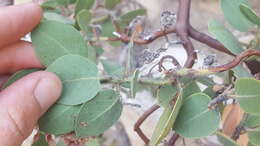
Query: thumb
x=23, y=103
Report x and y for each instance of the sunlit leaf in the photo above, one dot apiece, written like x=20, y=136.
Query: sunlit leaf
x=18, y=75
x=167, y=119
x=225, y=140
x=248, y=94
x=250, y=14
x=110, y=4
x=233, y=14
x=225, y=37
x=83, y=4
x=57, y=17
x=59, y=119
x=112, y=68
x=53, y=39
x=79, y=77
x=195, y=120
x=134, y=83
x=99, y=114
x=92, y=54
x=83, y=19
x=165, y=94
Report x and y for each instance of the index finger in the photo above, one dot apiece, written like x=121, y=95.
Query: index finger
x=17, y=21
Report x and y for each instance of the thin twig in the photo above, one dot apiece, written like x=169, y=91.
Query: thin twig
x=173, y=139
x=141, y=119
x=182, y=25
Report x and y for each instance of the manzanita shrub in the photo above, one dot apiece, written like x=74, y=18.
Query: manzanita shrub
x=69, y=41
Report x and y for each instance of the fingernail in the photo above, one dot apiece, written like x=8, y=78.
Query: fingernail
x=47, y=91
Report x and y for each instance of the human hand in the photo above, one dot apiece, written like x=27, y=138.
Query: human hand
x=22, y=103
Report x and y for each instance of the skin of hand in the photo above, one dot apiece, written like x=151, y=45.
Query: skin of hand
x=22, y=103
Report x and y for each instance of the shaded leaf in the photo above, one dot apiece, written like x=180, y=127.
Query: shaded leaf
x=225, y=37
x=79, y=77
x=233, y=14
x=241, y=72
x=129, y=16
x=254, y=137
x=252, y=121
x=225, y=140
x=18, y=75
x=193, y=114
x=113, y=69
x=166, y=121
x=83, y=4
x=110, y=4
x=53, y=39
x=134, y=83
x=57, y=17
x=41, y=141
x=165, y=94
x=248, y=94
x=250, y=14
x=59, y=119
x=51, y=4
x=190, y=88
x=99, y=114
x=83, y=19
x=209, y=91
x=206, y=81
x=92, y=55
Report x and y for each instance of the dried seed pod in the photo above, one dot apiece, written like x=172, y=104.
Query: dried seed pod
x=168, y=19
x=209, y=60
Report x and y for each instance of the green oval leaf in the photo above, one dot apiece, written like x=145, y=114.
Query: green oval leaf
x=59, y=119
x=250, y=14
x=57, y=17
x=225, y=37
x=165, y=94
x=53, y=39
x=134, y=83
x=83, y=19
x=233, y=14
x=110, y=4
x=193, y=114
x=248, y=95
x=226, y=141
x=79, y=77
x=99, y=114
x=166, y=121
x=129, y=16
x=83, y=4
x=18, y=75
